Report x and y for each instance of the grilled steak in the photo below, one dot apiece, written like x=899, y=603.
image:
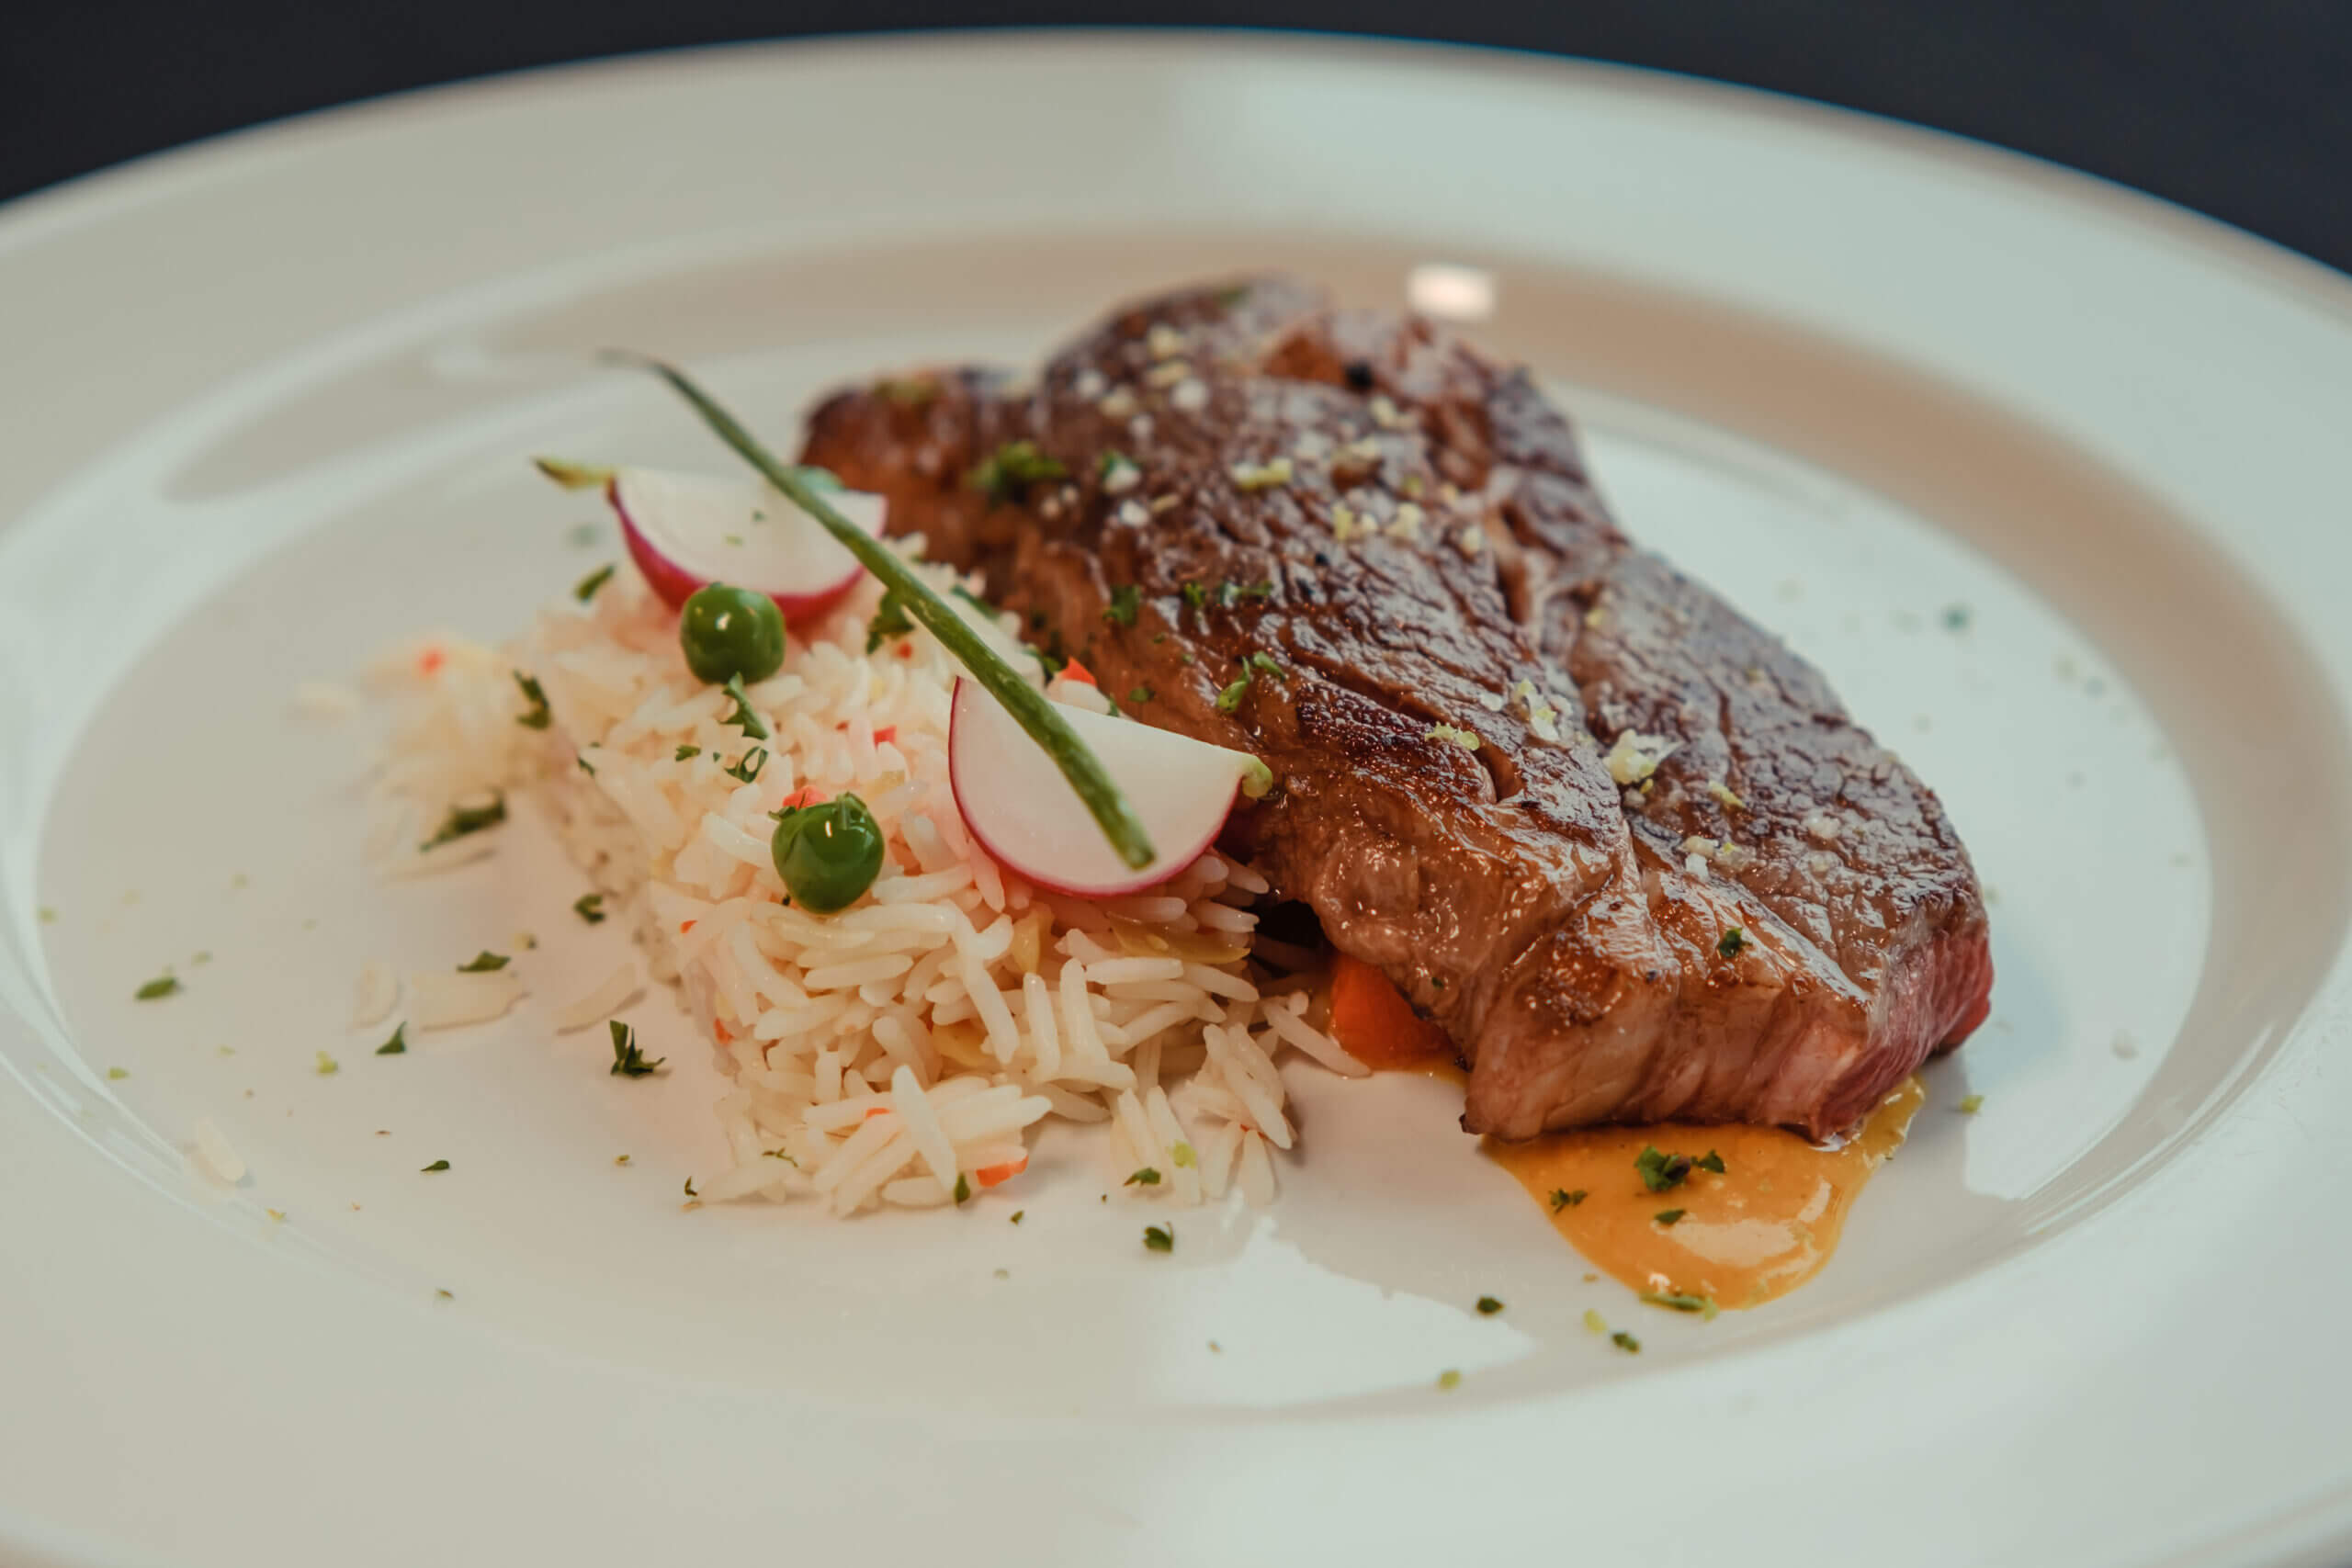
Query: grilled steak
x=1624, y=847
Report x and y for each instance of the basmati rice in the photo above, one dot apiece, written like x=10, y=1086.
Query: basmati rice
x=890, y=1053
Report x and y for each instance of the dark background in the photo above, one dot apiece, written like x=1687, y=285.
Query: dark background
x=2240, y=108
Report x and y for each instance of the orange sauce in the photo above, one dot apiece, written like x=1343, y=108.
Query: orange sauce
x=1758, y=1231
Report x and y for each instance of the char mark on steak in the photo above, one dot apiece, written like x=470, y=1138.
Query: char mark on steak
x=1628, y=851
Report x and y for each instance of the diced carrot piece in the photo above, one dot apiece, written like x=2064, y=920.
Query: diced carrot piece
x=429, y=662
x=1372, y=1020
x=718, y=1028
x=684, y=926
x=997, y=1174
x=885, y=735
x=874, y=1110
x=1074, y=671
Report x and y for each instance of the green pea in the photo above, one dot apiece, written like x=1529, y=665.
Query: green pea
x=828, y=854
x=727, y=632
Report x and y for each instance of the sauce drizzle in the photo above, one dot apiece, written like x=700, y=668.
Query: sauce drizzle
x=1758, y=1231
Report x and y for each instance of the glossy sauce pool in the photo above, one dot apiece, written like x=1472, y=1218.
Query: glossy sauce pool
x=1756, y=1231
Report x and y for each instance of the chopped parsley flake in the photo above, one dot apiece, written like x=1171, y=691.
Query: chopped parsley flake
x=444, y=1296
x=1564, y=1199
x=326, y=1065
x=465, y=820
x=1677, y=1301
x=1195, y=596
x=1626, y=1342
x=585, y=589
x=162, y=985
x=1147, y=1177
x=1731, y=942
x=620, y=1159
x=48, y=916
x=483, y=962
x=537, y=716
x=1594, y=1321
x=963, y=1188
x=1182, y=1156
x=1140, y=696
x=436, y=1164
x=1159, y=1238
x=1488, y=1306
x=1230, y=698
x=907, y=391
x=743, y=718
x=397, y=1046
x=747, y=768
x=1710, y=1161
x=118, y=1074
x=690, y=1188
x=1660, y=1171
x=1449, y=1380
x=590, y=907
x=1008, y=473
x=1956, y=618
x=1124, y=600
x=1262, y=663
x=889, y=620
x=1971, y=1105
x=1017, y=1216
x=628, y=1062
x=582, y=758
x=1668, y=1216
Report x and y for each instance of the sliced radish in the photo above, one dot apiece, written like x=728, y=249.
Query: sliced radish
x=1021, y=808
x=685, y=530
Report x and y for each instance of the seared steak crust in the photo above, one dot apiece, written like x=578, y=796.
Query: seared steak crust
x=1352, y=545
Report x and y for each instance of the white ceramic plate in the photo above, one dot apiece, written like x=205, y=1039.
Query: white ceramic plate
x=2045, y=476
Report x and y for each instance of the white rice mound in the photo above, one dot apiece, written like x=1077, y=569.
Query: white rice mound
x=911, y=1043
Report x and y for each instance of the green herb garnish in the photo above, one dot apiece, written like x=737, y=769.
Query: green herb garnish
x=590, y=907
x=465, y=820
x=1449, y=1380
x=326, y=1066
x=585, y=589
x=397, y=1046
x=889, y=621
x=1159, y=1238
x=1262, y=663
x=1036, y=717
x=1668, y=1216
x=1968, y=1107
x=1007, y=473
x=690, y=1188
x=1677, y=1301
x=1562, y=1198
x=628, y=1062
x=115, y=1074
x=1731, y=942
x=1196, y=596
x=1147, y=1177
x=743, y=718
x=683, y=752
x=1182, y=1156
x=1488, y=1306
x=1124, y=600
x=1661, y=1171
x=1230, y=698
x=537, y=716
x=747, y=767
x=582, y=758
x=1140, y=696
x=1626, y=1342
x=436, y=1164
x=1710, y=1161
x=963, y=1188
x=162, y=985
x=483, y=962
x=572, y=475
x=1016, y=1215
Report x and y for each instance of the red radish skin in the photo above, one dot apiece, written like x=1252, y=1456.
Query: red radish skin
x=677, y=572
x=985, y=747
